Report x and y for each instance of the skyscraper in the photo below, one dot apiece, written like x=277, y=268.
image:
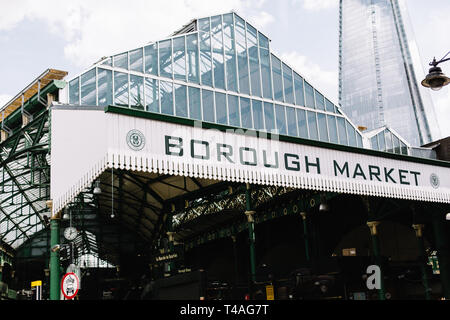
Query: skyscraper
x=377, y=80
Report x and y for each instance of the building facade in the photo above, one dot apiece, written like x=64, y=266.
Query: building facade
x=377, y=76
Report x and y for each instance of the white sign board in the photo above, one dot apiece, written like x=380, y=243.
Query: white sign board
x=70, y=285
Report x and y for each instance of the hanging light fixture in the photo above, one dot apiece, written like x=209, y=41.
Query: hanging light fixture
x=436, y=79
x=97, y=189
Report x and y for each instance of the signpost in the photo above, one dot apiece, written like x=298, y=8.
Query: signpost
x=37, y=287
x=70, y=285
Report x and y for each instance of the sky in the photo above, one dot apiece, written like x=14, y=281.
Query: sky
x=71, y=35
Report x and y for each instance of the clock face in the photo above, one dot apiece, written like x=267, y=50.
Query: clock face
x=70, y=233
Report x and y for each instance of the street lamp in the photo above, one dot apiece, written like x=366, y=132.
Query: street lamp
x=435, y=79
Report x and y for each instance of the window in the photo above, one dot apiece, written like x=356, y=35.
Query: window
x=137, y=92
x=280, y=116
x=302, y=126
x=230, y=52
x=205, y=57
x=88, y=88
x=342, y=131
x=152, y=95
x=291, y=121
x=265, y=73
x=277, y=80
x=332, y=129
x=179, y=59
x=166, y=89
x=269, y=116
x=180, y=100
x=252, y=43
x=320, y=104
x=151, y=59
x=329, y=106
x=221, y=108
x=323, y=130
x=195, y=109
x=217, y=48
x=246, y=113
x=312, y=125
x=208, y=106
x=309, y=96
x=136, y=60
x=233, y=111
x=121, y=89
x=258, y=119
x=165, y=58
x=374, y=143
x=74, y=89
x=192, y=58
x=351, y=135
x=381, y=141
x=241, y=45
x=104, y=87
x=121, y=61
x=299, y=96
x=288, y=85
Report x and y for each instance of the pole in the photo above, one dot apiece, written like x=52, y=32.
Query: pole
x=306, y=235
x=251, y=232
x=55, y=276
x=442, y=247
x=376, y=252
x=422, y=258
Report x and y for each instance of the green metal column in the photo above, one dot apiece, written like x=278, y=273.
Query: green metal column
x=306, y=235
x=418, y=228
x=376, y=252
x=251, y=231
x=55, y=276
x=443, y=251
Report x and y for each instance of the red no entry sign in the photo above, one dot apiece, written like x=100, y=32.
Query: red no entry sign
x=70, y=285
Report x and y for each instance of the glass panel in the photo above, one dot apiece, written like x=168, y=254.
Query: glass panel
x=208, y=106
x=388, y=137
x=263, y=41
x=277, y=80
x=88, y=88
x=152, y=95
x=151, y=59
x=107, y=62
x=104, y=87
x=179, y=59
x=319, y=101
x=165, y=58
x=166, y=89
x=136, y=60
x=404, y=148
x=217, y=48
x=359, y=139
x=258, y=119
x=396, y=144
x=137, y=92
x=74, y=89
x=221, y=108
x=265, y=73
x=381, y=141
x=332, y=129
x=233, y=110
x=351, y=135
x=280, y=116
x=244, y=84
x=342, y=131
x=180, y=100
x=192, y=58
x=329, y=106
x=205, y=58
x=374, y=143
x=121, y=60
x=288, y=85
x=269, y=116
x=121, y=89
x=299, y=96
x=291, y=121
x=312, y=125
x=246, y=113
x=323, y=130
x=230, y=51
x=309, y=96
x=203, y=25
x=195, y=108
x=252, y=42
x=302, y=126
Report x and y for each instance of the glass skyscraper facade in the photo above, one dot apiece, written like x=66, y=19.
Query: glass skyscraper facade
x=377, y=79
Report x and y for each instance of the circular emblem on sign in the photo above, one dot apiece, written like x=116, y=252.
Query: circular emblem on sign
x=434, y=180
x=135, y=140
x=70, y=285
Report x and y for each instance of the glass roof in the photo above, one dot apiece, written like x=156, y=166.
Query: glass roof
x=218, y=69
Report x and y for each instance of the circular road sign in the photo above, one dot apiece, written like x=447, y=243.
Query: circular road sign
x=70, y=285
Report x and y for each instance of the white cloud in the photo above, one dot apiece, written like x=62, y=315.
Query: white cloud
x=326, y=81
x=442, y=106
x=93, y=29
x=316, y=5
x=4, y=98
x=261, y=19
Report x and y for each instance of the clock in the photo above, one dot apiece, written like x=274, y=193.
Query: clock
x=70, y=233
